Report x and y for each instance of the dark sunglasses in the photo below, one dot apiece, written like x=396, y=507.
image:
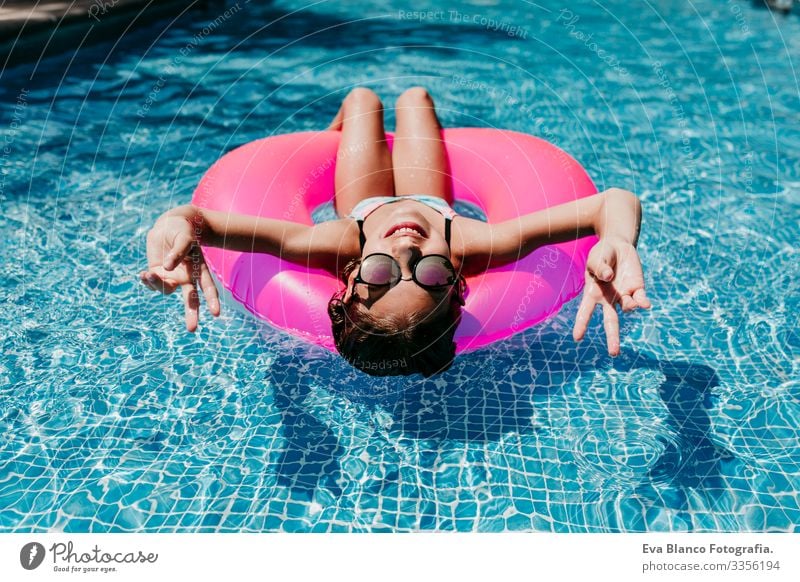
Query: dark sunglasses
x=429, y=272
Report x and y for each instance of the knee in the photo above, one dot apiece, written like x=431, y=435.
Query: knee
x=363, y=99
x=415, y=97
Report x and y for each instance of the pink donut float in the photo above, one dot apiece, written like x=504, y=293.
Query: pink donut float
x=505, y=173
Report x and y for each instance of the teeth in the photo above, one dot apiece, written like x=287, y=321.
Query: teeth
x=410, y=230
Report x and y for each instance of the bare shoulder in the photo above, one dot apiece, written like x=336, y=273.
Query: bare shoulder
x=340, y=227
x=333, y=243
x=470, y=240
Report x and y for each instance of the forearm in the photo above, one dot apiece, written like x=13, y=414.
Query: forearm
x=240, y=232
x=519, y=237
x=619, y=216
x=614, y=212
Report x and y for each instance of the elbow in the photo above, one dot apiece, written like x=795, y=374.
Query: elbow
x=623, y=195
x=620, y=198
x=621, y=192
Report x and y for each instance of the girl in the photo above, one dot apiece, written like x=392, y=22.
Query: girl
x=399, y=248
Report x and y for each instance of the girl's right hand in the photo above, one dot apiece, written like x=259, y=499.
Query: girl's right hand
x=175, y=259
x=613, y=277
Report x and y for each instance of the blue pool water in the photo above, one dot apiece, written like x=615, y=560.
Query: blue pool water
x=113, y=418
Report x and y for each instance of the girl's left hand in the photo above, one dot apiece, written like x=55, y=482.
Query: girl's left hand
x=613, y=276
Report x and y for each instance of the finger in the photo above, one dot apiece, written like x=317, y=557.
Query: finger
x=583, y=316
x=641, y=299
x=611, y=325
x=600, y=265
x=628, y=304
x=154, y=249
x=601, y=271
x=605, y=273
x=158, y=283
x=145, y=280
x=180, y=248
x=192, y=306
x=150, y=280
x=209, y=290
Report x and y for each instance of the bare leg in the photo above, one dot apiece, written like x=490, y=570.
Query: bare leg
x=363, y=162
x=419, y=158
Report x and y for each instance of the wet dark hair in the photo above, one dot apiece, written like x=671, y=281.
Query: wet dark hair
x=393, y=346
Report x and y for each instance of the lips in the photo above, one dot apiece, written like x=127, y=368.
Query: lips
x=406, y=229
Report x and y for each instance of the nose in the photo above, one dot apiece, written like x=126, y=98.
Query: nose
x=406, y=251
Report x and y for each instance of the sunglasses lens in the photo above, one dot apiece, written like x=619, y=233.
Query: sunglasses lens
x=435, y=272
x=379, y=270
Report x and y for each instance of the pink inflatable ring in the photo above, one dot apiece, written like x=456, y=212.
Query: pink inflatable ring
x=505, y=173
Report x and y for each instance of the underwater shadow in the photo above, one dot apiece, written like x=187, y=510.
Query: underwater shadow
x=476, y=402
x=496, y=400
x=692, y=460
x=489, y=393
x=310, y=457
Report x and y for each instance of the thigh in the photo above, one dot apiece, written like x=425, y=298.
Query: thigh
x=418, y=157
x=363, y=162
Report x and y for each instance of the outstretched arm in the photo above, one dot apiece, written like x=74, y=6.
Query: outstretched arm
x=320, y=246
x=175, y=258
x=613, y=270
x=610, y=212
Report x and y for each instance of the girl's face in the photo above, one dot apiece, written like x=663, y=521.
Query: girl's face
x=406, y=233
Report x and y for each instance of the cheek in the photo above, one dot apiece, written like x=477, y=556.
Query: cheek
x=374, y=246
x=438, y=246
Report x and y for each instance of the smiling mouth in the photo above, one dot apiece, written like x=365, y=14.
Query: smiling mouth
x=406, y=228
